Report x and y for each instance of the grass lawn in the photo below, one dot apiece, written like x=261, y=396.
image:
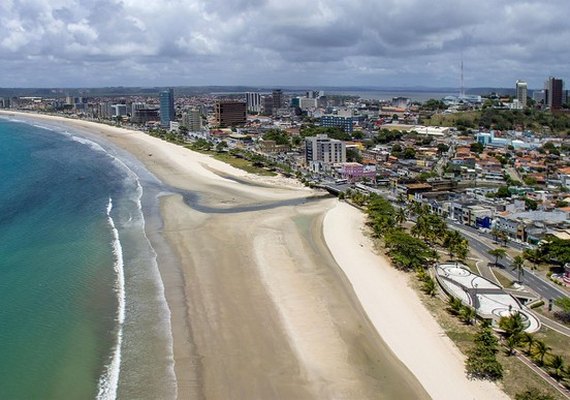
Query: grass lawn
x=451, y=119
x=242, y=164
x=505, y=281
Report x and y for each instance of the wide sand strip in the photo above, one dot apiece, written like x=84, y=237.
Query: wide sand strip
x=260, y=308
x=397, y=313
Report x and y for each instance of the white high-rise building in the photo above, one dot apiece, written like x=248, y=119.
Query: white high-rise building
x=324, y=149
x=253, y=102
x=522, y=92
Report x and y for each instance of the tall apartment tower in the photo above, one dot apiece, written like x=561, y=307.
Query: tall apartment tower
x=253, y=102
x=192, y=119
x=553, y=90
x=167, y=111
x=230, y=113
x=324, y=149
x=277, y=99
x=522, y=92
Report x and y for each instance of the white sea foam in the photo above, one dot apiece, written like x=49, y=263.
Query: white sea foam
x=109, y=381
x=90, y=143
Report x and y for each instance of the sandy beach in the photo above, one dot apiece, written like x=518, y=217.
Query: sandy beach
x=276, y=293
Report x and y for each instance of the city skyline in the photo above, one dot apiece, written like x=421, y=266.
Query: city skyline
x=70, y=43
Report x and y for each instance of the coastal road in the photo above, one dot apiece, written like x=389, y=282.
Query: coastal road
x=543, y=288
x=477, y=240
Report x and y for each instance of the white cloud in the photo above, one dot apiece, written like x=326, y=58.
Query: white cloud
x=332, y=42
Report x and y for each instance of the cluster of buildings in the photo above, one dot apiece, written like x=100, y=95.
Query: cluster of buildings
x=439, y=166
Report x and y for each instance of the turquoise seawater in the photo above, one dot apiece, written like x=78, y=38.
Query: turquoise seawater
x=61, y=274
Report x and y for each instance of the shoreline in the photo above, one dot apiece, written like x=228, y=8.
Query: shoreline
x=293, y=307
x=397, y=312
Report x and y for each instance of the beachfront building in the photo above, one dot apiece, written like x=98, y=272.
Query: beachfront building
x=167, y=111
x=323, y=149
x=230, y=113
x=356, y=172
x=145, y=114
x=119, y=110
x=192, y=120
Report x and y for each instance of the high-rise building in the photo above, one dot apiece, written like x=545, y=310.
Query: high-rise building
x=192, y=119
x=277, y=99
x=554, y=89
x=522, y=92
x=167, y=111
x=322, y=148
x=307, y=103
x=253, y=102
x=343, y=122
x=267, y=105
x=230, y=113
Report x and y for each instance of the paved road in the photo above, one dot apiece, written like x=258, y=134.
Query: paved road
x=478, y=241
x=542, y=287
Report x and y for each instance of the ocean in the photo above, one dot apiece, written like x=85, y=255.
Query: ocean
x=82, y=309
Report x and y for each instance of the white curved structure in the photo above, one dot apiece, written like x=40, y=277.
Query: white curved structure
x=489, y=300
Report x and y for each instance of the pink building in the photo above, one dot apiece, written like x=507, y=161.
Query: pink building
x=354, y=172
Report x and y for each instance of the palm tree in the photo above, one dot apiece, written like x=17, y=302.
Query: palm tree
x=529, y=340
x=532, y=256
x=498, y=253
x=401, y=215
x=541, y=349
x=518, y=265
x=429, y=287
x=468, y=315
x=558, y=366
x=455, y=305
x=513, y=327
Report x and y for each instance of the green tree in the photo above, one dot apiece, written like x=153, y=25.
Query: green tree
x=455, y=244
x=401, y=216
x=498, y=254
x=221, y=146
x=518, y=265
x=442, y=148
x=513, y=328
x=409, y=153
x=481, y=360
x=280, y=137
x=532, y=256
x=455, y=305
x=429, y=286
x=468, y=315
x=557, y=367
x=503, y=192
x=529, y=340
x=406, y=251
x=541, y=349
x=353, y=155
x=477, y=147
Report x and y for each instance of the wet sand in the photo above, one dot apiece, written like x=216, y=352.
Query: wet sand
x=260, y=308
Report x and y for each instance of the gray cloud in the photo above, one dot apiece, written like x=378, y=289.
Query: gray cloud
x=270, y=42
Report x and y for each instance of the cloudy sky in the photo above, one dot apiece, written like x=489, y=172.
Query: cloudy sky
x=70, y=43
